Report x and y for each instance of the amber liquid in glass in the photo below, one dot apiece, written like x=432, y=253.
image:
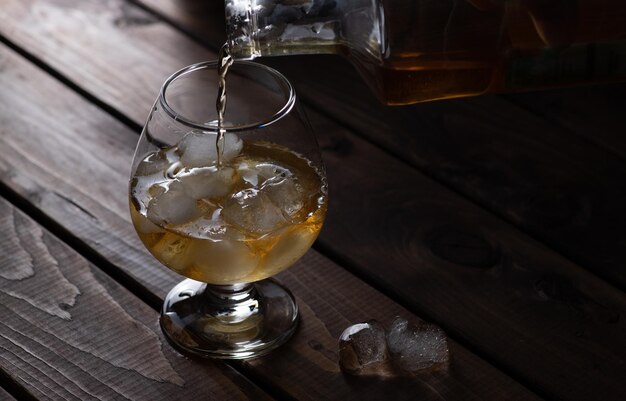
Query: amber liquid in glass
x=247, y=220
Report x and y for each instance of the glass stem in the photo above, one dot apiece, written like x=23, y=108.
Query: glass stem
x=232, y=304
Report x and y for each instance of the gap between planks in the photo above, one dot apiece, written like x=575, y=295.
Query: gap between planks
x=197, y=34
x=18, y=200
x=134, y=286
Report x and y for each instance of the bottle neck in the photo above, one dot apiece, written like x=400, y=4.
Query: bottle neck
x=269, y=28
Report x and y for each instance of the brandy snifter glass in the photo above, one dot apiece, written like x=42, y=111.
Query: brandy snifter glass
x=228, y=225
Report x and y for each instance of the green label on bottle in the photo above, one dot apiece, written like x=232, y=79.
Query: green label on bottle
x=574, y=64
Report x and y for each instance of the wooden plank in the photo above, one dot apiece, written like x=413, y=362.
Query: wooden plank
x=594, y=113
x=418, y=255
x=501, y=288
x=59, y=162
x=75, y=31
x=202, y=19
x=534, y=174
x=330, y=300
x=69, y=332
x=459, y=142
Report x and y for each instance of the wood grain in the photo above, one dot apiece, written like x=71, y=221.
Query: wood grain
x=69, y=332
x=330, y=299
x=67, y=190
x=594, y=113
x=540, y=175
x=98, y=39
x=501, y=291
x=411, y=248
x=521, y=166
x=201, y=19
x=531, y=172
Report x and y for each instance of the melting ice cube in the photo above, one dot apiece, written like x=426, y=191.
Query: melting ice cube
x=286, y=194
x=293, y=243
x=145, y=226
x=253, y=211
x=256, y=172
x=171, y=249
x=199, y=149
x=363, y=349
x=278, y=183
x=155, y=162
x=414, y=347
x=174, y=206
x=228, y=260
x=208, y=183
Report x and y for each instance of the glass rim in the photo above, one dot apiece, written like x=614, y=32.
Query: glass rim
x=284, y=110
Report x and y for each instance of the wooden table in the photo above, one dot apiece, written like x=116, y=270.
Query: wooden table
x=499, y=218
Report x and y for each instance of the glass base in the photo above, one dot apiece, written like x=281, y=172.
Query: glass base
x=229, y=321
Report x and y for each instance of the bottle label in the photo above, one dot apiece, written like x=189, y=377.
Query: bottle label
x=574, y=64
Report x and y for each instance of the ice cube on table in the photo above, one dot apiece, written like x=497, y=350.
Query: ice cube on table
x=253, y=211
x=174, y=206
x=198, y=149
x=415, y=347
x=208, y=183
x=363, y=349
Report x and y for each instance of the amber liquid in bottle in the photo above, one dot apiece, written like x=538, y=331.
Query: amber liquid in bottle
x=447, y=49
x=421, y=50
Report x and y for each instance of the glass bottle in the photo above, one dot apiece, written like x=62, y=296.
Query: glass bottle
x=411, y=51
